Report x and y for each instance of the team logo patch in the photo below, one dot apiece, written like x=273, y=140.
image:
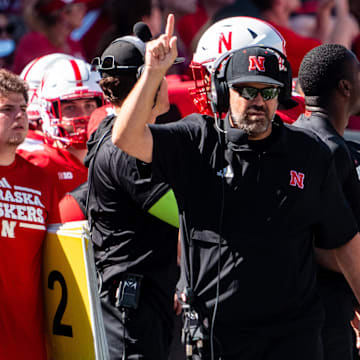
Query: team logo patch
x=4, y=183
x=297, y=179
x=65, y=175
x=227, y=172
x=256, y=63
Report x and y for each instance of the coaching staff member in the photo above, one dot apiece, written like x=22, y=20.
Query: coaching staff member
x=135, y=252
x=249, y=214
x=329, y=78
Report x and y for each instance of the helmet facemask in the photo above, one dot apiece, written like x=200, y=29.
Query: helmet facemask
x=201, y=90
x=71, y=131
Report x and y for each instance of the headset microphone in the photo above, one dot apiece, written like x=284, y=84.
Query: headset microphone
x=142, y=31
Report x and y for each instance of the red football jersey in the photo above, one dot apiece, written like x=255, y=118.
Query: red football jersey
x=68, y=171
x=28, y=202
x=290, y=115
x=97, y=116
x=70, y=210
x=34, y=136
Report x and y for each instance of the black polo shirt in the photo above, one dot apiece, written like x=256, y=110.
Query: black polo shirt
x=354, y=148
x=267, y=203
x=337, y=294
x=344, y=163
x=126, y=237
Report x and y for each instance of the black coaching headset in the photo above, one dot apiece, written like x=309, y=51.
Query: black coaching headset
x=220, y=89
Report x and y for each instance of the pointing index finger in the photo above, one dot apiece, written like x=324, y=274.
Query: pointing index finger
x=169, y=30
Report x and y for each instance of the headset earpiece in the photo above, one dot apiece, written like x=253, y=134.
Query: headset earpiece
x=219, y=95
x=219, y=87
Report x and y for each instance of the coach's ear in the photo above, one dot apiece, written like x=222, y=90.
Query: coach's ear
x=344, y=87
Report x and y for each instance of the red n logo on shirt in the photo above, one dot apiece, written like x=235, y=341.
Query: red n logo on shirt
x=225, y=42
x=256, y=62
x=297, y=179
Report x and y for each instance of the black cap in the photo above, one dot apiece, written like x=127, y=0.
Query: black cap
x=128, y=53
x=254, y=64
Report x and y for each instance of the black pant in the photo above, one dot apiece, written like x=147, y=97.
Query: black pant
x=338, y=342
x=339, y=304
x=303, y=344
x=146, y=335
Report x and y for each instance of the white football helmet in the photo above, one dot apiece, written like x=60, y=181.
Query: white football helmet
x=225, y=35
x=68, y=79
x=32, y=74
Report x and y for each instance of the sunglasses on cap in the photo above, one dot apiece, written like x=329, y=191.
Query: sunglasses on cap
x=250, y=93
x=108, y=63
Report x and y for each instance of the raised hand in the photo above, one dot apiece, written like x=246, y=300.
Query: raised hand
x=162, y=52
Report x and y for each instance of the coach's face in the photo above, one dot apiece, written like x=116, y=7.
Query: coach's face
x=252, y=108
x=13, y=120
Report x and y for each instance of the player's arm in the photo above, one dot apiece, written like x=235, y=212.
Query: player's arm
x=348, y=256
x=130, y=131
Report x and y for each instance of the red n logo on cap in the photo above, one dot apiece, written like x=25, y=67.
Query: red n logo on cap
x=256, y=62
x=282, y=66
x=225, y=42
x=297, y=179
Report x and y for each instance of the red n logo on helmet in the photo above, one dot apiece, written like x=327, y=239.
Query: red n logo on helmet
x=225, y=42
x=297, y=179
x=256, y=62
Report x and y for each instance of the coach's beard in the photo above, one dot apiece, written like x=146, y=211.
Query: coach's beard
x=252, y=124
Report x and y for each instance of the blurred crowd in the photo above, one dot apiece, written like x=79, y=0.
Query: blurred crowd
x=83, y=28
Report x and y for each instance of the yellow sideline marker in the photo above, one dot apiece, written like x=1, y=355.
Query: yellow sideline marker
x=73, y=316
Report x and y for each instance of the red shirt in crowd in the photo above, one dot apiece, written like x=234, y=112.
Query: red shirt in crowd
x=296, y=46
x=189, y=25
x=356, y=46
x=35, y=44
